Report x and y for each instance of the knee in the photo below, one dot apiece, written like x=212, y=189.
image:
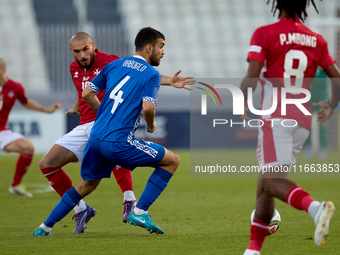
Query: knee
x=268, y=185
x=174, y=163
x=42, y=163
x=28, y=149
x=176, y=160
x=45, y=162
x=85, y=188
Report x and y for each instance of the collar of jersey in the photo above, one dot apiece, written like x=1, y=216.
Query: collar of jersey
x=290, y=19
x=137, y=56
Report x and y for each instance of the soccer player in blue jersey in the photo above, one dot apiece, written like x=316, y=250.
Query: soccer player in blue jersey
x=131, y=87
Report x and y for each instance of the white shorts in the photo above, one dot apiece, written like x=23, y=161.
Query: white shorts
x=7, y=137
x=76, y=140
x=279, y=145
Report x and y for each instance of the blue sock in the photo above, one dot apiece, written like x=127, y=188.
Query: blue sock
x=69, y=200
x=154, y=187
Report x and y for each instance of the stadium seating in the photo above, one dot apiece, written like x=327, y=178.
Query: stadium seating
x=20, y=45
x=204, y=38
x=55, y=12
x=103, y=12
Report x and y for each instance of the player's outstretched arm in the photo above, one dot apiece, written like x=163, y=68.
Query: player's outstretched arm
x=75, y=109
x=250, y=81
x=325, y=112
x=33, y=105
x=90, y=98
x=327, y=107
x=149, y=112
x=178, y=81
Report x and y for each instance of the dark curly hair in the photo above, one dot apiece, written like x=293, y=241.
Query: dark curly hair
x=292, y=7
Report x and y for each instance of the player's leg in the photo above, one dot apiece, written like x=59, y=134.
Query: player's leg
x=158, y=181
x=321, y=212
x=122, y=175
x=165, y=168
x=124, y=180
x=323, y=140
x=14, y=142
x=285, y=190
x=51, y=166
x=66, y=204
x=94, y=167
x=69, y=148
x=275, y=147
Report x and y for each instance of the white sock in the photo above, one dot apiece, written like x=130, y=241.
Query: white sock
x=129, y=195
x=313, y=208
x=138, y=211
x=47, y=229
x=251, y=252
x=81, y=206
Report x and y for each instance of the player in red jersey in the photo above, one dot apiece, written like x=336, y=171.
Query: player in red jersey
x=88, y=62
x=281, y=56
x=10, y=141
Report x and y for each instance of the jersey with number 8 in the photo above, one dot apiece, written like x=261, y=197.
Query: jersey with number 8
x=290, y=52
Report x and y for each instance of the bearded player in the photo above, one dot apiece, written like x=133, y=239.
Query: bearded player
x=282, y=55
x=10, y=141
x=88, y=63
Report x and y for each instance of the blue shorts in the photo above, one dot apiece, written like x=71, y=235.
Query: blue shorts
x=101, y=157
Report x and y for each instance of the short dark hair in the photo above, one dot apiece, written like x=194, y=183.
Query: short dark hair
x=79, y=36
x=147, y=35
x=292, y=7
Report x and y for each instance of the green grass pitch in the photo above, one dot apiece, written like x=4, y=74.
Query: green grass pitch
x=199, y=216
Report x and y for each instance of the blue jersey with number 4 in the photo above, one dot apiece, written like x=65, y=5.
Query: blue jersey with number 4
x=128, y=82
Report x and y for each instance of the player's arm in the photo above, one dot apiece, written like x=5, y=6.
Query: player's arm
x=178, y=81
x=250, y=80
x=75, y=109
x=90, y=98
x=149, y=112
x=33, y=105
x=328, y=107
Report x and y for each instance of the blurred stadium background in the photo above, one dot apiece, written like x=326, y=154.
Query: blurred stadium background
x=206, y=39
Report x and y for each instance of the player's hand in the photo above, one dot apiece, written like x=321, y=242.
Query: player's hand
x=54, y=107
x=325, y=112
x=73, y=111
x=151, y=129
x=244, y=116
x=181, y=82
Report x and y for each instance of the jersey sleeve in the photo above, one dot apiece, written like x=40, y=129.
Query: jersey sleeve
x=257, y=49
x=151, y=89
x=326, y=58
x=99, y=82
x=21, y=95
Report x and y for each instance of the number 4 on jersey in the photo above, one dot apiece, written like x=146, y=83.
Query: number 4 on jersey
x=118, y=98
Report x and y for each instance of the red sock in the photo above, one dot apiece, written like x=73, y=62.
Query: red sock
x=123, y=178
x=23, y=163
x=299, y=198
x=258, y=232
x=58, y=179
